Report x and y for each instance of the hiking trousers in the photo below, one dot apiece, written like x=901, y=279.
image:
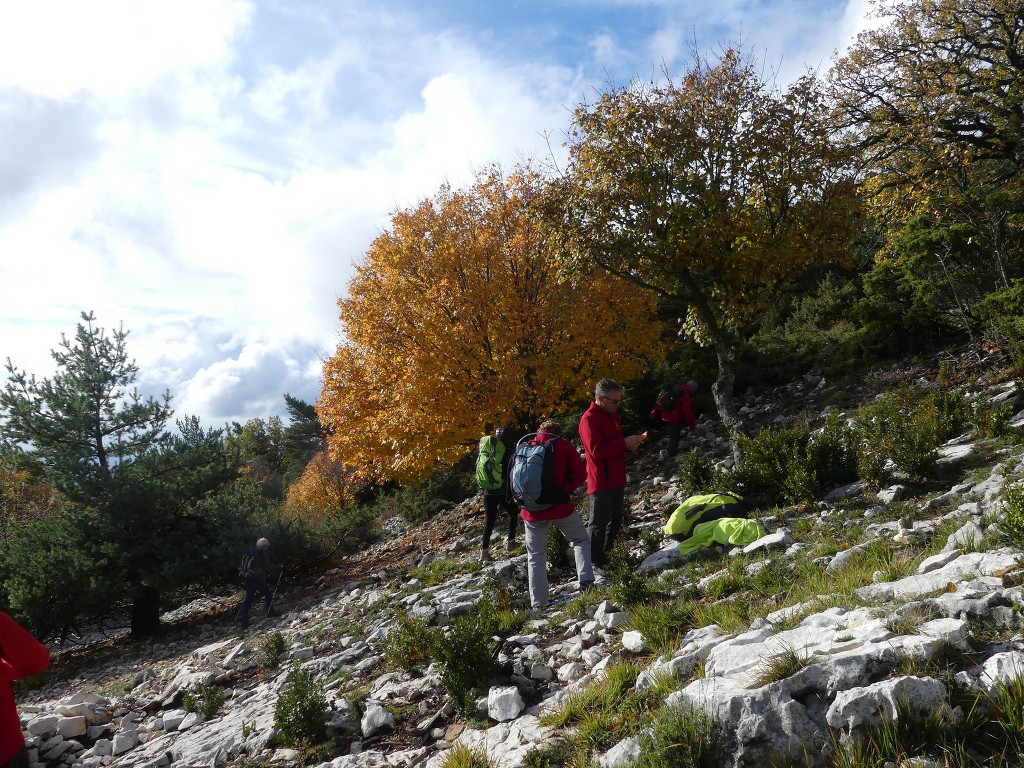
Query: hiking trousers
x=605, y=521
x=674, y=432
x=252, y=586
x=575, y=531
x=20, y=760
x=491, y=505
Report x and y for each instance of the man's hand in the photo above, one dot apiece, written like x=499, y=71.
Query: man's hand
x=634, y=441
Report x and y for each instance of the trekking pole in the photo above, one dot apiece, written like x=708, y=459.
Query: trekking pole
x=270, y=605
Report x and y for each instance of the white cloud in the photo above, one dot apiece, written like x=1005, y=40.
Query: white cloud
x=58, y=47
x=206, y=171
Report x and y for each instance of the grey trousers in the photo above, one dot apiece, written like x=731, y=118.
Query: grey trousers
x=575, y=531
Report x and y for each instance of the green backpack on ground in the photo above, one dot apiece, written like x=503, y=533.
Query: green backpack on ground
x=489, y=474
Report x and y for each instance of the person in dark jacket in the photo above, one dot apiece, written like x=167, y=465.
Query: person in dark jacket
x=255, y=578
x=570, y=472
x=675, y=407
x=606, y=447
x=501, y=498
x=21, y=655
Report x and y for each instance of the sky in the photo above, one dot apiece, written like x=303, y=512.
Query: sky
x=205, y=174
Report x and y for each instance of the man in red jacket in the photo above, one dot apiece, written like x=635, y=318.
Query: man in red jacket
x=675, y=406
x=21, y=655
x=606, y=447
x=569, y=474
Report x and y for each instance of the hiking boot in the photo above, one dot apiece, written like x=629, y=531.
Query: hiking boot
x=511, y=543
x=272, y=614
x=485, y=557
x=243, y=623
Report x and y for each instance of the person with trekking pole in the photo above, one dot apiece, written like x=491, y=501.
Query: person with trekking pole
x=255, y=569
x=21, y=655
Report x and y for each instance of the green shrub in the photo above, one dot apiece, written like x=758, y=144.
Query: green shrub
x=904, y=427
x=696, y=473
x=204, y=699
x=300, y=715
x=628, y=588
x=1013, y=519
x=681, y=737
x=443, y=490
x=406, y=646
x=832, y=453
x=549, y=755
x=812, y=330
x=271, y=650
x=558, y=548
x=464, y=654
x=951, y=411
x=498, y=615
x=992, y=420
x=775, y=468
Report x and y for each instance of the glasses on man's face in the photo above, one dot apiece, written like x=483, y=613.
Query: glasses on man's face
x=612, y=400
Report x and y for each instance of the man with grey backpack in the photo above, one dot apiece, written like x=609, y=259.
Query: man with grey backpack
x=545, y=471
x=254, y=570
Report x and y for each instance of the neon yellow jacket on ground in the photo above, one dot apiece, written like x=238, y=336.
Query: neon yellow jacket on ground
x=726, y=530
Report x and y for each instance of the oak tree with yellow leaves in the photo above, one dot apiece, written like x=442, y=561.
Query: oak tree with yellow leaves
x=712, y=192
x=458, y=318
x=935, y=95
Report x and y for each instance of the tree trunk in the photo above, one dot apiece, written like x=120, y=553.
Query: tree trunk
x=722, y=391
x=145, y=611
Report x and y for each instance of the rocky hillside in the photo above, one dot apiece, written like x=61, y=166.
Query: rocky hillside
x=870, y=607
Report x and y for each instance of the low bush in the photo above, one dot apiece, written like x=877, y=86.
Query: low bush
x=464, y=654
x=681, y=737
x=405, y=646
x=628, y=588
x=557, y=549
x=906, y=428
x=775, y=467
x=1013, y=519
x=204, y=699
x=696, y=474
x=300, y=715
x=271, y=650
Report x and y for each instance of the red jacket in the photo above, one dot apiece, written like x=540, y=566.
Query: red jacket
x=570, y=474
x=605, y=446
x=21, y=655
x=681, y=412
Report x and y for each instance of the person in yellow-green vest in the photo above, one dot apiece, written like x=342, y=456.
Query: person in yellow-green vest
x=713, y=518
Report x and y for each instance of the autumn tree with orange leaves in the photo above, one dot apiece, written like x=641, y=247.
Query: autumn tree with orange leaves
x=457, y=318
x=324, y=488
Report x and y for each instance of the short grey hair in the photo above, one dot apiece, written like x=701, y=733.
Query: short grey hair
x=606, y=387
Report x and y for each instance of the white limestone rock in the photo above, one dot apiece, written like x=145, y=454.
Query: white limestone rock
x=633, y=641
x=915, y=696
x=504, y=703
x=375, y=719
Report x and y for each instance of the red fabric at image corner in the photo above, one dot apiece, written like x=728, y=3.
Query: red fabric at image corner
x=21, y=655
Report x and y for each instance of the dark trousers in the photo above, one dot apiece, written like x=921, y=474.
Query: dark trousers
x=20, y=760
x=491, y=504
x=605, y=521
x=252, y=586
x=674, y=431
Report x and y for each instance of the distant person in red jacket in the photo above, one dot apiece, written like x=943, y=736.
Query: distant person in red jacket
x=675, y=407
x=606, y=447
x=21, y=655
x=570, y=472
